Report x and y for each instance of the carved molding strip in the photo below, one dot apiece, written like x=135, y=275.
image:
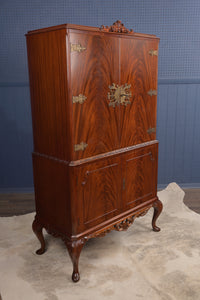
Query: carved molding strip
x=114, y=152
x=51, y=158
x=118, y=27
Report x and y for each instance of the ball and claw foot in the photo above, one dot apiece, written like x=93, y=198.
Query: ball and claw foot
x=157, y=205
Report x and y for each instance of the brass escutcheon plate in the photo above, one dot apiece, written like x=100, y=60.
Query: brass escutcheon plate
x=119, y=94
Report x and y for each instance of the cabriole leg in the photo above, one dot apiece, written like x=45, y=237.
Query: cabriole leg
x=74, y=249
x=157, y=205
x=37, y=229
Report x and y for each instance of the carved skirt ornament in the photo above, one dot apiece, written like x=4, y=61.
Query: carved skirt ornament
x=119, y=94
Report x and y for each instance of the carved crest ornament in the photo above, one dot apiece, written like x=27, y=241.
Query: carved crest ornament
x=118, y=27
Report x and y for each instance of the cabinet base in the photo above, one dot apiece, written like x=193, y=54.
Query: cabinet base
x=75, y=246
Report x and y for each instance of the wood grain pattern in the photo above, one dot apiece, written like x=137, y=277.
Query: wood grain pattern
x=140, y=175
x=99, y=191
x=92, y=71
x=139, y=69
x=52, y=197
x=48, y=86
x=100, y=201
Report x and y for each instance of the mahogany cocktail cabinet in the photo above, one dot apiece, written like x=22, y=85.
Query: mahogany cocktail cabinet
x=93, y=99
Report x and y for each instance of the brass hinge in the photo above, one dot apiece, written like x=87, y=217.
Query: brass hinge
x=152, y=93
x=153, y=52
x=151, y=130
x=79, y=99
x=80, y=146
x=77, y=48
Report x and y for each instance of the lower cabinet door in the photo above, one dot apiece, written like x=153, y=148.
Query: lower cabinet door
x=99, y=191
x=139, y=176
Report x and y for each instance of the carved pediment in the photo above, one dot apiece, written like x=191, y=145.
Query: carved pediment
x=118, y=26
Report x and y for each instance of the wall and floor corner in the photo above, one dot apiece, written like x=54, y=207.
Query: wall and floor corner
x=176, y=23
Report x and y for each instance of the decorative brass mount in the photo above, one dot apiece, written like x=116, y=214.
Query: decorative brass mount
x=153, y=52
x=77, y=48
x=152, y=93
x=118, y=26
x=79, y=99
x=151, y=130
x=80, y=146
x=119, y=94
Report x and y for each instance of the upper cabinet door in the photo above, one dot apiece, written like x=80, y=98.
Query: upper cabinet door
x=94, y=60
x=138, y=70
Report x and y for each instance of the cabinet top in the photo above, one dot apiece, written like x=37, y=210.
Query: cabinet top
x=117, y=28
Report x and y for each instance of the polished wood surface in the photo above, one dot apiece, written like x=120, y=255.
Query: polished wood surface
x=95, y=154
x=48, y=86
x=99, y=193
x=139, y=175
x=158, y=206
x=52, y=192
x=92, y=71
x=139, y=69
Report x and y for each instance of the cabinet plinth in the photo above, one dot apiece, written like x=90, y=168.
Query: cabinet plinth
x=93, y=99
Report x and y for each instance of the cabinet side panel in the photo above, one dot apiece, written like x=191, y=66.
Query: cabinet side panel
x=48, y=85
x=52, y=196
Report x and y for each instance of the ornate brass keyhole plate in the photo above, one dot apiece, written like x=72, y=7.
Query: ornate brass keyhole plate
x=119, y=94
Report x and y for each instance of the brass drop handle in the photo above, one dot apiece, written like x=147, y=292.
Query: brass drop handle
x=119, y=94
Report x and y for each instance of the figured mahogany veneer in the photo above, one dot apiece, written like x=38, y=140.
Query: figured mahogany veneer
x=93, y=100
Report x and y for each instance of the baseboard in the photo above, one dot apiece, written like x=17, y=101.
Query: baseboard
x=161, y=186
x=28, y=190
x=195, y=185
